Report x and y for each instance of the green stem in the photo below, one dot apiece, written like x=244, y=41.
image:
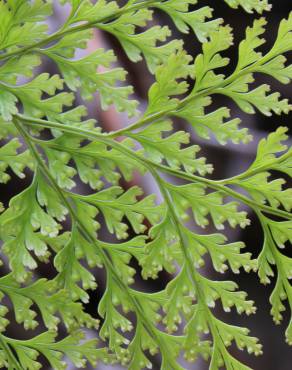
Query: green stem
x=10, y=355
x=142, y=122
x=256, y=170
x=275, y=252
x=193, y=274
x=79, y=28
x=193, y=96
x=159, y=115
x=216, y=185
x=148, y=325
x=176, y=224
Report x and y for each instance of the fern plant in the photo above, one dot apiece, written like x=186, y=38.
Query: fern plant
x=179, y=320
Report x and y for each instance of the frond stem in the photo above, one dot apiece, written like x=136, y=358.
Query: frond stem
x=216, y=185
x=79, y=28
x=193, y=96
x=10, y=355
x=148, y=325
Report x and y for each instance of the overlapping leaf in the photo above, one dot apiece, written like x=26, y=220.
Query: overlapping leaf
x=46, y=345
x=185, y=19
x=250, y=5
x=143, y=43
x=87, y=75
x=10, y=158
x=21, y=22
x=159, y=147
x=19, y=226
x=194, y=197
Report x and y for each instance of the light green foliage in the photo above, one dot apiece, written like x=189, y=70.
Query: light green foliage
x=250, y=5
x=159, y=148
x=115, y=205
x=144, y=43
x=186, y=20
x=44, y=344
x=49, y=304
x=18, y=229
x=52, y=221
x=9, y=157
x=273, y=155
x=194, y=197
x=111, y=164
x=21, y=22
x=83, y=74
x=166, y=85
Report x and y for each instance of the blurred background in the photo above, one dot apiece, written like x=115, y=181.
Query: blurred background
x=228, y=161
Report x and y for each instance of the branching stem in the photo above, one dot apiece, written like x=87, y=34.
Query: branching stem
x=10, y=355
x=64, y=197
x=193, y=274
x=216, y=185
x=79, y=28
x=192, y=97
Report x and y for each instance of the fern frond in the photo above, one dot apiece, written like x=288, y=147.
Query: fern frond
x=180, y=318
